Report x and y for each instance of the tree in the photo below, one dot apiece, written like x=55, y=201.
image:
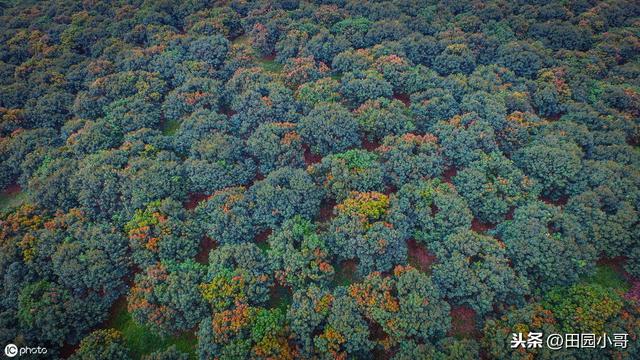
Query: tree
x=523, y=58
x=283, y=194
x=324, y=46
x=473, y=269
x=218, y=162
x=352, y=170
x=550, y=93
x=194, y=94
x=163, y=231
x=518, y=131
x=389, y=30
x=132, y=113
x=358, y=87
x=238, y=274
x=263, y=104
x=490, y=108
x=225, y=216
x=16, y=148
x=598, y=306
x=328, y=128
x=345, y=333
x=325, y=90
x=352, y=60
x=546, y=245
x=244, y=332
x=381, y=117
x=406, y=305
x=96, y=184
x=276, y=145
x=170, y=353
x=55, y=104
x=621, y=180
x=299, y=255
x=90, y=260
x=448, y=348
x=431, y=106
x=166, y=298
x=290, y=45
x=90, y=104
x=609, y=223
x=328, y=325
x=465, y=138
x=410, y=158
x=362, y=230
x=197, y=126
x=49, y=313
x=552, y=163
x=353, y=29
x=430, y=210
x=455, y=58
x=210, y=49
x=153, y=176
x=530, y=318
x=492, y=185
x=394, y=69
x=421, y=49
x=104, y=344
x=298, y=71
x=633, y=262
x=48, y=182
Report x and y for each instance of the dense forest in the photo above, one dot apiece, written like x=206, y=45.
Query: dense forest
x=328, y=179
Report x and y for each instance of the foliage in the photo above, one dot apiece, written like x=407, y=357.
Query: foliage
x=283, y=194
x=217, y=162
x=171, y=353
x=299, y=255
x=163, y=231
x=106, y=344
x=410, y=158
x=544, y=244
x=473, y=269
x=530, y=318
x=244, y=332
x=583, y=308
x=430, y=210
x=328, y=324
x=352, y=170
x=362, y=230
x=608, y=223
x=464, y=139
x=51, y=314
x=225, y=216
x=328, y=128
x=166, y=298
x=238, y=274
x=325, y=90
x=305, y=145
x=492, y=185
x=406, y=305
x=358, y=87
x=381, y=117
x=276, y=145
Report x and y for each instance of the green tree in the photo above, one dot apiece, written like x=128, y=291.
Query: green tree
x=473, y=269
x=492, y=185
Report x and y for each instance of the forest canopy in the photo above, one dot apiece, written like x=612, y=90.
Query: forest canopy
x=318, y=179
